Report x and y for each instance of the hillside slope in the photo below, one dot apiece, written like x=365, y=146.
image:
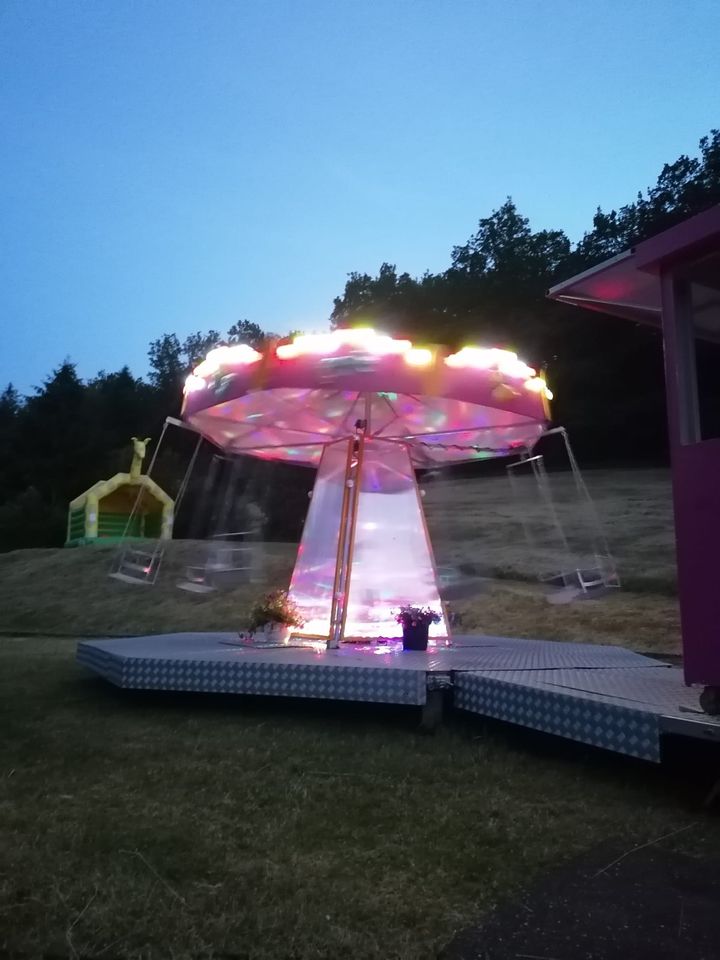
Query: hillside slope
x=67, y=591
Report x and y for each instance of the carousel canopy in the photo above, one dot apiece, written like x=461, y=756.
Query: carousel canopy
x=295, y=398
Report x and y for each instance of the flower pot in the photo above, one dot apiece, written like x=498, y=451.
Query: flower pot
x=276, y=633
x=415, y=636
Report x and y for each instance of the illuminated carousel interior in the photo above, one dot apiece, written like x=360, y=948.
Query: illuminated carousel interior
x=366, y=411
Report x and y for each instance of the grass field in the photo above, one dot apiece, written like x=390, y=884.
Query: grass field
x=138, y=826
x=150, y=826
x=67, y=591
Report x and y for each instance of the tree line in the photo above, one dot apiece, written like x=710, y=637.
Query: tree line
x=70, y=433
x=606, y=373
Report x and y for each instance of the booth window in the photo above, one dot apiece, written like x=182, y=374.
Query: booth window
x=698, y=315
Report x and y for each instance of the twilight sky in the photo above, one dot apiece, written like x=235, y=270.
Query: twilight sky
x=175, y=165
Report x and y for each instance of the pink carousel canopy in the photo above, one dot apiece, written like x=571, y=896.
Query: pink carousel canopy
x=366, y=410
x=290, y=401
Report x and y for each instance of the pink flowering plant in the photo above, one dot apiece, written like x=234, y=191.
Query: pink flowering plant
x=274, y=607
x=410, y=616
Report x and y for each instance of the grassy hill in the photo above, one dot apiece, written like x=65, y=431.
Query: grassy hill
x=480, y=521
x=67, y=591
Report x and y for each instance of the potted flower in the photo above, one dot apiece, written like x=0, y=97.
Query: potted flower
x=275, y=614
x=415, y=622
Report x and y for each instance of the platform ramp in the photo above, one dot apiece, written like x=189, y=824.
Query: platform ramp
x=598, y=694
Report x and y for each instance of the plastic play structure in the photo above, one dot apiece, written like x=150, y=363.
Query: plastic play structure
x=365, y=411
x=128, y=505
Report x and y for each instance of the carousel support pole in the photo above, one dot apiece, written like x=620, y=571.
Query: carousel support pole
x=355, y=491
x=332, y=643
x=346, y=536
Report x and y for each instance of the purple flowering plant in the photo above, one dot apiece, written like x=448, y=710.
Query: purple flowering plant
x=411, y=616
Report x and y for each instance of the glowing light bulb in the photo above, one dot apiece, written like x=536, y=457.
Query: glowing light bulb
x=226, y=356
x=357, y=338
x=538, y=385
x=504, y=361
x=193, y=383
x=287, y=351
x=239, y=353
x=418, y=357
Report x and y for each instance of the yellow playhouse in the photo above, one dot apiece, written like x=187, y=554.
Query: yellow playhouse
x=126, y=505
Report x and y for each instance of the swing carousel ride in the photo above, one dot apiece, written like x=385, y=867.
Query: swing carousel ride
x=365, y=410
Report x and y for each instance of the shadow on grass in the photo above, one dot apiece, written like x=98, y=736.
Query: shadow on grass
x=689, y=768
x=610, y=904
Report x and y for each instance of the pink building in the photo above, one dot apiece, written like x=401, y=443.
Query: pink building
x=672, y=281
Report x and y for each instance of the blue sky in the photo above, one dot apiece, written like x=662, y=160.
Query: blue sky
x=172, y=166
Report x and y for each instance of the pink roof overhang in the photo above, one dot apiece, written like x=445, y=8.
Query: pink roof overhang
x=628, y=285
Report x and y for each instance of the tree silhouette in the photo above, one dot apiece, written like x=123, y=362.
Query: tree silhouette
x=606, y=373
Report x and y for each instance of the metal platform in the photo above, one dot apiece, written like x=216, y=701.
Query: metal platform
x=601, y=695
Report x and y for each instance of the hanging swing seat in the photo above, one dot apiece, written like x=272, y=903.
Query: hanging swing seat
x=582, y=580
x=573, y=557
x=459, y=582
x=134, y=562
x=581, y=585
x=137, y=566
x=226, y=565
x=196, y=581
